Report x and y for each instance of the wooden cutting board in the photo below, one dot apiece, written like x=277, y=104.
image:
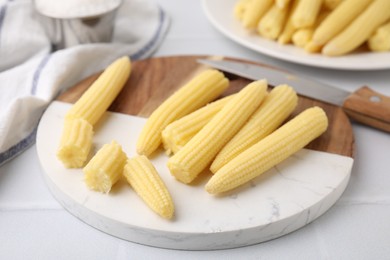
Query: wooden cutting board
x=284, y=199
x=153, y=80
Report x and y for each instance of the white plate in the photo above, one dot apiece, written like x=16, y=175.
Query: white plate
x=220, y=14
x=282, y=200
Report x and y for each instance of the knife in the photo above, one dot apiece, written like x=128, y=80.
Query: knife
x=364, y=105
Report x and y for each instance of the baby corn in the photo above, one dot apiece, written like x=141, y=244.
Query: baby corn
x=179, y=132
x=360, y=29
x=270, y=151
x=306, y=13
x=143, y=177
x=198, y=153
x=332, y=4
x=199, y=91
x=339, y=19
x=380, y=40
x=303, y=37
x=282, y=3
x=239, y=9
x=105, y=168
x=76, y=143
x=272, y=23
x=277, y=106
x=255, y=9
x=99, y=96
x=289, y=28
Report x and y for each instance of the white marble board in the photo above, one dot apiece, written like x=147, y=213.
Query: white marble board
x=282, y=200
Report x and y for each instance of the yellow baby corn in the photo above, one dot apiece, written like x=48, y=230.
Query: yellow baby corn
x=198, y=153
x=270, y=151
x=105, y=168
x=99, y=96
x=338, y=19
x=332, y=4
x=380, y=40
x=302, y=37
x=179, y=132
x=255, y=9
x=202, y=89
x=289, y=28
x=282, y=3
x=306, y=13
x=311, y=46
x=239, y=8
x=76, y=143
x=143, y=177
x=360, y=29
x=272, y=23
x=277, y=106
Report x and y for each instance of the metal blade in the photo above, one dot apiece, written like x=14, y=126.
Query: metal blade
x=303, y=86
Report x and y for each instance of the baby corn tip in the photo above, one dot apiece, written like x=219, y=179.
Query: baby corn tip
x=330, y=50
x=166, y=212
x=212, y=188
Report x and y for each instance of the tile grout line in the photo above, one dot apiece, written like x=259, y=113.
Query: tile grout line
x=10, y=208
x=363, y=202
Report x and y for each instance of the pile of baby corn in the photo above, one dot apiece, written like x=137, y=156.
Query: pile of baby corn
x=236, y=138
x=330, y=27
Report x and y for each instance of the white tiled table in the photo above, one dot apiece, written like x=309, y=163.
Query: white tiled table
x=33, y=225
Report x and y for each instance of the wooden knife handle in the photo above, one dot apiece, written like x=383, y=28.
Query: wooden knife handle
x=369, y=107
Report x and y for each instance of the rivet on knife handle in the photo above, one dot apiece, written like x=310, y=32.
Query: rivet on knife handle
x=369, y=107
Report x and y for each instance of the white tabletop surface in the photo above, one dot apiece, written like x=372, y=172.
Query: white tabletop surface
x=33, y=225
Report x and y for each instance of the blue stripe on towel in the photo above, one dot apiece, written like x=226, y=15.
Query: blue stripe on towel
x=18, y=148
x=37, y=73
x=151, y=44
x=30, y=139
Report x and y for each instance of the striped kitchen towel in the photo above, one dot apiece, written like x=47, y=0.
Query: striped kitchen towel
x=32, y=73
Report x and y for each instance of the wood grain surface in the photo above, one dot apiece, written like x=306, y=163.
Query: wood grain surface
x=153, y=80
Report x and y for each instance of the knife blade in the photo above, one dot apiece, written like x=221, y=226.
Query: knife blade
x=364, y=105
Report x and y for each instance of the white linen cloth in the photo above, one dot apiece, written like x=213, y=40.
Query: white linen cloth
x=32, y=74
